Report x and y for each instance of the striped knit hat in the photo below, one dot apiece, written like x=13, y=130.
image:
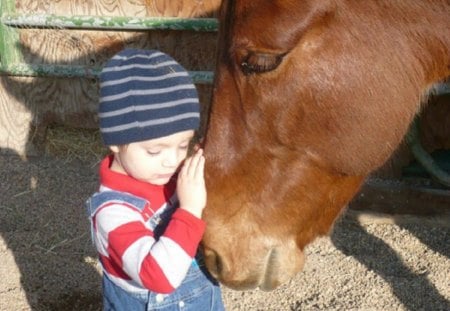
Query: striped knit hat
x=145, y=94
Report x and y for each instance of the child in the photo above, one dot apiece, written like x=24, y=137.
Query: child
x=145, y=218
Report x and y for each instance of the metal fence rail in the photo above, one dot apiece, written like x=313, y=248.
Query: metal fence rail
x=11, y=59
x=109, y=22
x=78, y=71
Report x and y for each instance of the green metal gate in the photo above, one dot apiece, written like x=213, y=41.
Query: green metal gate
x=11, y=59
x=12, y=63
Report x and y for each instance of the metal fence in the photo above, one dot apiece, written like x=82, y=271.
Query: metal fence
x=12, y=63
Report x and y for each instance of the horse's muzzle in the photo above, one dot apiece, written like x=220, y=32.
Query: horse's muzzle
x=278, y=266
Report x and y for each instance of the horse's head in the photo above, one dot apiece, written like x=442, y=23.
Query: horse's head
x=298, y=119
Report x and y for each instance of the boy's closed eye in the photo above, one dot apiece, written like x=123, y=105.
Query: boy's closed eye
x=183, y=146
x=153, y=152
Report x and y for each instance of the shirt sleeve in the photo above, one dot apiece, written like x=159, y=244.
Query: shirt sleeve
x=128, y=244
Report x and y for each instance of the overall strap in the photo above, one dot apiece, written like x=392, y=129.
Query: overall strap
x=100, y=198
x=160, y=217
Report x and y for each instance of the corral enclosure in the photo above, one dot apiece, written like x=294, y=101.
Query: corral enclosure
x=30, y=105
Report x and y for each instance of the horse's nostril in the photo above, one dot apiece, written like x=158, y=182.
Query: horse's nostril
x=213, y=262
x=218, y=265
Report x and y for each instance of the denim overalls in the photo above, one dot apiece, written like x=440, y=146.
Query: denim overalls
x=197, y=292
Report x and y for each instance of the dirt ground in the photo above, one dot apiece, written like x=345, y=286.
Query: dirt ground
x=48, y=263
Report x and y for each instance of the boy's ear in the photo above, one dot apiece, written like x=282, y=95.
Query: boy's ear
x=114, y=148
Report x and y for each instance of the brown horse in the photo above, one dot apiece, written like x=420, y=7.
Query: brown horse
x=309, y=98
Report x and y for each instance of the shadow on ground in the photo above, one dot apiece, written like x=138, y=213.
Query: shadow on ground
x=381, y=258
x=46, y=230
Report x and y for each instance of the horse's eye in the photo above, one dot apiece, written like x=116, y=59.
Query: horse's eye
x=260, y=62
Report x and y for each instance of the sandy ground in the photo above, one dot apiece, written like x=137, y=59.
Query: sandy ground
x=48, y=263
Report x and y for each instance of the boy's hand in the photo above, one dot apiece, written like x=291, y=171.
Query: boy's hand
x=191, y=188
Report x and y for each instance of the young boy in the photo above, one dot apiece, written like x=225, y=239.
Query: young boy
x=146, y=216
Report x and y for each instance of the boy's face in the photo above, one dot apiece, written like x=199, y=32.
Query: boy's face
x=154, y=161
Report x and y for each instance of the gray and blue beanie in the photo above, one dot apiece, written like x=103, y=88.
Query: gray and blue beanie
x=145, y=94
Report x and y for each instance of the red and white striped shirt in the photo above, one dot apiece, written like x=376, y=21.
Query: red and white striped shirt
x=130, y=253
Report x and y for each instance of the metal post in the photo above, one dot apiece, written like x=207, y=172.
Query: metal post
x=10, y=52
x=423, y=157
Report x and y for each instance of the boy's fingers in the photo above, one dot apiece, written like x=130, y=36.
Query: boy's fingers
x=199, y=163
x=186, y=165
x=200, y=167
x=193, y=165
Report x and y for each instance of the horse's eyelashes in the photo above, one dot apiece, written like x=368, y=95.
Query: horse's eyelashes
x=249, y=69
x=255, y=63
